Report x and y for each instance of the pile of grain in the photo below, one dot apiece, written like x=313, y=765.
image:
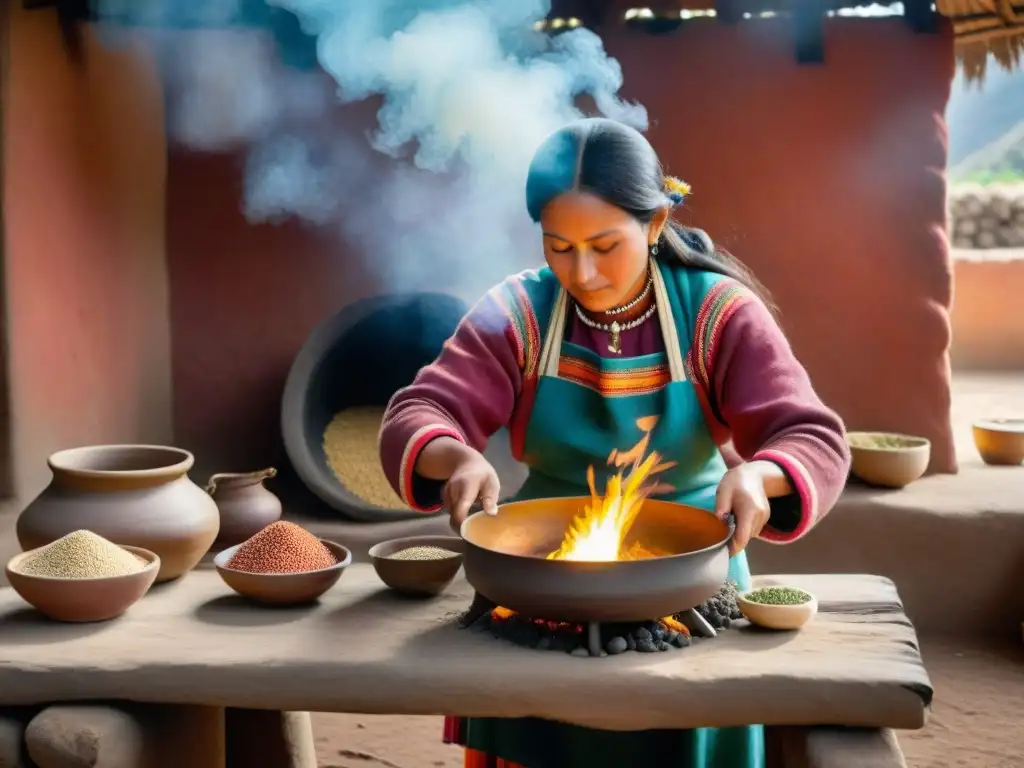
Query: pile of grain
x=81, y=555
x=882, y=441
x=778, y=596
x=350, y=445
x=282, y=547
x=422, y=553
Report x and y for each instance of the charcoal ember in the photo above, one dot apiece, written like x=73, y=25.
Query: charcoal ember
x=616, y=645
x=722, y=609
x=522, y=633
x=646, y=646
x=614, y=637
x=681, y=640
x=565, y=640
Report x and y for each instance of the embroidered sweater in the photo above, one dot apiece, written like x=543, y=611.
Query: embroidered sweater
x=757, y=398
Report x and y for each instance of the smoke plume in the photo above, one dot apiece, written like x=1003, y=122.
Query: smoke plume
x=464, y=91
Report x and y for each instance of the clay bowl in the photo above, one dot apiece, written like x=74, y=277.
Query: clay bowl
x=783, y=617
x=1000, y=441
x=417, y=578
x=83, y=600
x=888, y=460
x=283, y=588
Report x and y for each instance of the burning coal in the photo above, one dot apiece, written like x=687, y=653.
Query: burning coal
x=613, y=637
x=464, y=91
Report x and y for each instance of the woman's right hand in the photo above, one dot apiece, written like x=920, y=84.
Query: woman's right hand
x=469, y=477
x=474, y=480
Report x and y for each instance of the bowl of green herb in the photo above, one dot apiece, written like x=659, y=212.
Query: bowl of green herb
x=777, y=607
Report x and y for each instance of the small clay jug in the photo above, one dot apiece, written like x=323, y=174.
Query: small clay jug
x=245, y=505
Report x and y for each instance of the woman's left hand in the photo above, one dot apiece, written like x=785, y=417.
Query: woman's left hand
x=742, y=493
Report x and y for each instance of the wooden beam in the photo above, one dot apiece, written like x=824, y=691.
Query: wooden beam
x=728, y=12
x=919, y=16
x=808, y=31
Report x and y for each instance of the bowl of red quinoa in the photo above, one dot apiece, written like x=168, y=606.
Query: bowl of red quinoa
x=418, y=566
x=283, y=564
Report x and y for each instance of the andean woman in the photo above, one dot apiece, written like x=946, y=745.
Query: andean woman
x=634, y=316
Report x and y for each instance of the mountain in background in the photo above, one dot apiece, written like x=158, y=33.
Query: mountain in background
x=986, y=116
x=1000, y=161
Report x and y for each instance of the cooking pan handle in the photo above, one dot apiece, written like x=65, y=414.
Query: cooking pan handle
x=730, y=521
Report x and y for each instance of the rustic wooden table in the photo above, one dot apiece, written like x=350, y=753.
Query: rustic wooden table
x=828, y=692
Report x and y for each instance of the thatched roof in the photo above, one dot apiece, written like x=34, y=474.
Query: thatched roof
x=983, y=27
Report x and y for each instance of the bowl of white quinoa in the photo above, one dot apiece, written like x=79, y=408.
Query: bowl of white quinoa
x=82, y=577
x=421, y=566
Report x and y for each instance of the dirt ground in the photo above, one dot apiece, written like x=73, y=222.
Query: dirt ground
x=975, y=721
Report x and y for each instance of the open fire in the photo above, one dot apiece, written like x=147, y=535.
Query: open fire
x=599, y=534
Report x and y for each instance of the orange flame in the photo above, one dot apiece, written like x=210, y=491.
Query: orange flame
x=598, y=533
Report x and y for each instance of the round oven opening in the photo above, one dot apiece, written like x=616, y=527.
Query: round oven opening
x=339, y=384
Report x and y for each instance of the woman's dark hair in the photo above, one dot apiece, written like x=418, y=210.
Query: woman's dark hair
x=618, y=164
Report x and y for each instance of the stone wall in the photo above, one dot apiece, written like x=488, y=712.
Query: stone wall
x=989, y=216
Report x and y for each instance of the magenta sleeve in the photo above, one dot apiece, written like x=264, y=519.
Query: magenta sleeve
x=467, y=393
x=762, y=393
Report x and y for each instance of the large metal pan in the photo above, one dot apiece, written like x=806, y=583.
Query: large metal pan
x=505, y=561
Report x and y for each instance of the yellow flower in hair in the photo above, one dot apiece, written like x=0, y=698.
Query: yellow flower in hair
x=676, y=188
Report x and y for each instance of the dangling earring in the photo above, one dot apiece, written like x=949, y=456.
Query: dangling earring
x=654, y=249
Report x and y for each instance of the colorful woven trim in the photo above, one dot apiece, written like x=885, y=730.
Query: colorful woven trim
x=633, y=381
x=416, y=443
x=718, y=306
x=511, y=295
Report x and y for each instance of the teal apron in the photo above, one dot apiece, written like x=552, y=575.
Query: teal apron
x=572, y=427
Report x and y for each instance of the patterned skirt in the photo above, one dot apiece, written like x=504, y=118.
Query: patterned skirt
x=539, y=741
x=454, y=733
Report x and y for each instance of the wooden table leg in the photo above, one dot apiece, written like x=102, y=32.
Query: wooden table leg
x=269, y=739
x=127, y=735
x=832, y=747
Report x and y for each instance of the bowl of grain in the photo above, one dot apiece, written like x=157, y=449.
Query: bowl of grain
x=888, y=460
x=777, y=607
x=1000, y=441
x=82, y=577
x=283, y=564
x=419, y=566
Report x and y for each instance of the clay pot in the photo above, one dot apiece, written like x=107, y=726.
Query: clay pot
x=133, y=495
x=246, y=506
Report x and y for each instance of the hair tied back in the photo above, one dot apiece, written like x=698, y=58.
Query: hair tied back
x=676, y=190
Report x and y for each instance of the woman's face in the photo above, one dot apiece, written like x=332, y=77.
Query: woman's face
x=597, y=251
